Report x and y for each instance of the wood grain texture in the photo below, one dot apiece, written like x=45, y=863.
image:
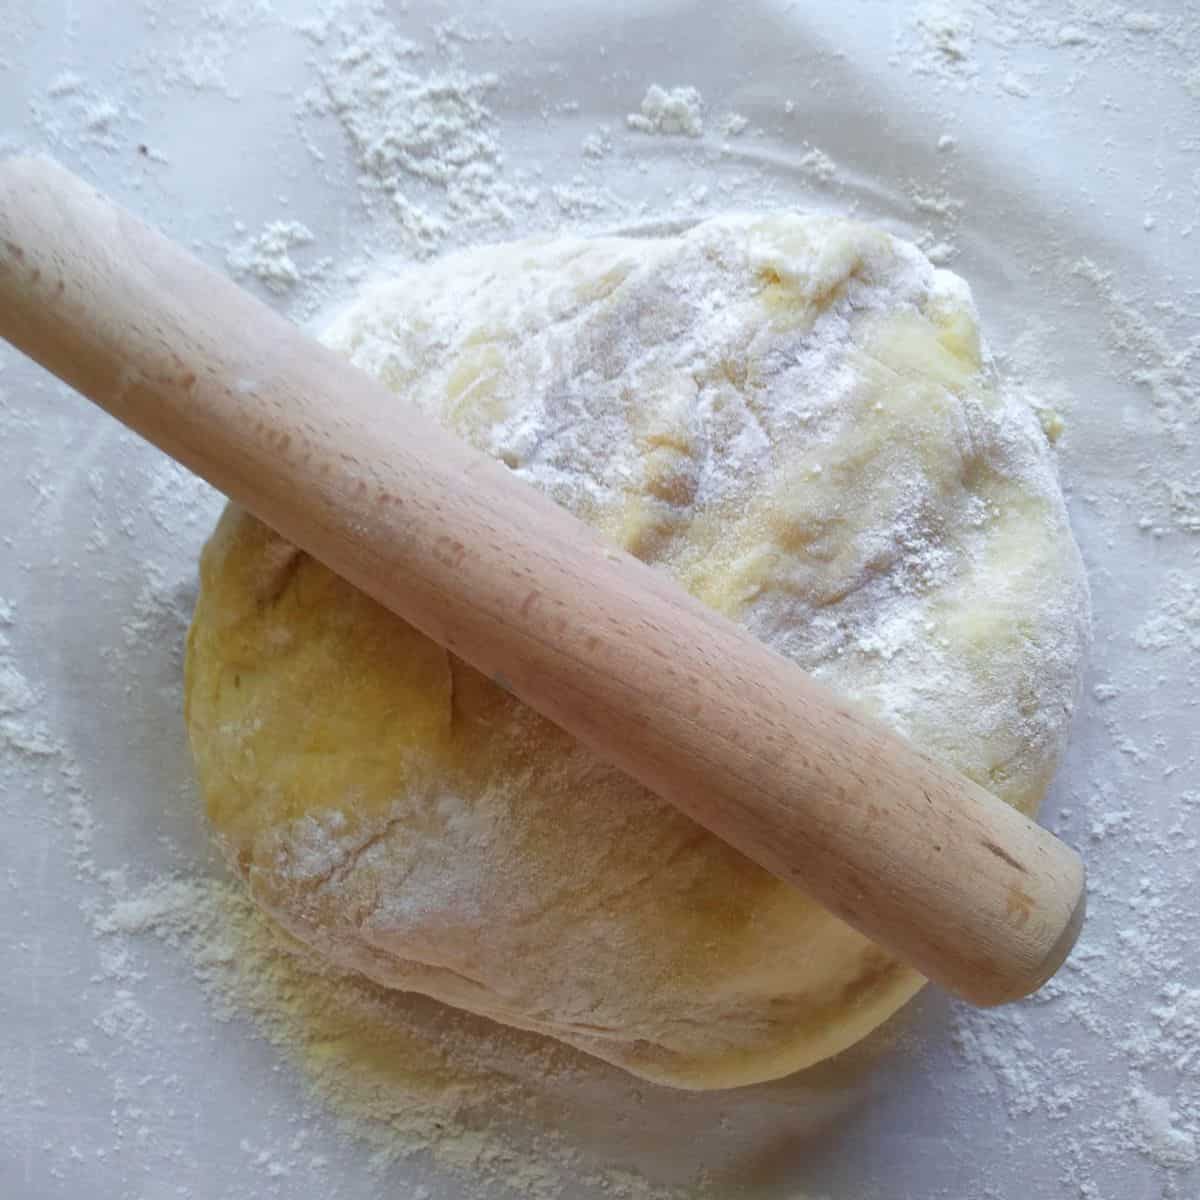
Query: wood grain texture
x=969, y=891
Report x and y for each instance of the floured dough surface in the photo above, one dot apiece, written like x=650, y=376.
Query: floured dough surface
x=793, y=416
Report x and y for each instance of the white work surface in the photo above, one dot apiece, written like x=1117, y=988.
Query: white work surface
x=1048, y=152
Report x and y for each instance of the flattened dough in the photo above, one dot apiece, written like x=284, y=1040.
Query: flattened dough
x=794, y=417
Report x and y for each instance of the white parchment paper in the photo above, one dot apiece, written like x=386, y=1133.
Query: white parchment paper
x=1048, y=152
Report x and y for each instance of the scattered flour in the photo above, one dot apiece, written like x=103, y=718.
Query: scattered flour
x=679, y=111
x=407, y=1076
x=23, y=733
x=817, y=165
x=1167, y=373
x=943, y=212
x=1183, y=499
x=1175, y=618
x=412, y=132
x=946, y=33
x=961, y=45
x=268, y=255
x=598, y=145
x=79, y=111
x=1013, y=85
x=1142, y=22
x=734, y=125
x=31, y=749
x=66, y=83
x=1157, y=1130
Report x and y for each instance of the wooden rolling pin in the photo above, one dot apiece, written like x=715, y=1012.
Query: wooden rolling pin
x=974, y=895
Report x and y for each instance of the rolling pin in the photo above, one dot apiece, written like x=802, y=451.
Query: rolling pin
x=970, y=892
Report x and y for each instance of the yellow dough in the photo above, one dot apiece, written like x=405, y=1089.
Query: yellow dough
x=794, y=417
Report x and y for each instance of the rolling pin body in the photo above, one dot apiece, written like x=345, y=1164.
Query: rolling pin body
x=966, y=889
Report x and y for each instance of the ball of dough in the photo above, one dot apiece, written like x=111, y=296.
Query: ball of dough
x=792, y=416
